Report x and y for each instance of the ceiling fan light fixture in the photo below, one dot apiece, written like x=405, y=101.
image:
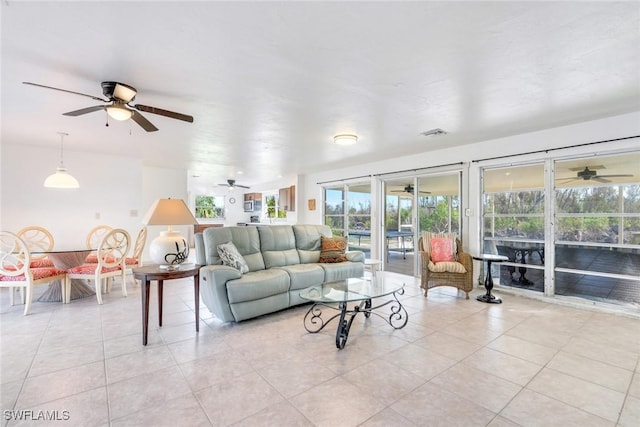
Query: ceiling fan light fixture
x=61, y=178
x=345, y=139
x=119, y=112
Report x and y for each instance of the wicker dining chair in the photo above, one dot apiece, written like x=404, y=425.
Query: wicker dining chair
x=457, y=273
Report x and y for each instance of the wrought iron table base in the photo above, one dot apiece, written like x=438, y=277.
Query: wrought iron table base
x=314, y=323
x=488, y=284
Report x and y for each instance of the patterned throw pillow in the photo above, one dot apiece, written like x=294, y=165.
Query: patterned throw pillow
x=443, y=249
x=333, y=249
x=231, y=257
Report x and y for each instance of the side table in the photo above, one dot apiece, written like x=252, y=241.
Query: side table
x=148, y=273
x=488, y=281
x=373, y=265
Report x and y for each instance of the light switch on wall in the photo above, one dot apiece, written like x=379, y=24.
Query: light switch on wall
x=468, y=212
x=133, y=213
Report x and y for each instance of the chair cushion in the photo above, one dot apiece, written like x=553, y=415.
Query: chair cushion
x=41, y=263
x=93, y=259
x=446, y=267
x=333, y=249
x=91, y=269
x=131, y=261
x=231, y=257
x=38, y=273
x=443, y=249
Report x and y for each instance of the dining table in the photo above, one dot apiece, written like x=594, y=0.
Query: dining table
x=65, y=259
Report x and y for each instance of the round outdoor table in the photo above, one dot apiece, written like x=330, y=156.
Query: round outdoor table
x=488, y=280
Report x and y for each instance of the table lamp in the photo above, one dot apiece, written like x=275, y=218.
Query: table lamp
x=170, y=248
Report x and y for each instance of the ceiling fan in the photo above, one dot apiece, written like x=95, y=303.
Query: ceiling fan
x=590, y=174
x=409, y=189
x=119, y=107
x=231, y=184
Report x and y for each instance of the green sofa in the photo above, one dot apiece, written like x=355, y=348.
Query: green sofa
x=282, y=260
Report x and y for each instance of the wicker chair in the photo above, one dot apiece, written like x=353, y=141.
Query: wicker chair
x=431, y=279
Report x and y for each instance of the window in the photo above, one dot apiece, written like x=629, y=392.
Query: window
x=272, y=206
x=210, y=207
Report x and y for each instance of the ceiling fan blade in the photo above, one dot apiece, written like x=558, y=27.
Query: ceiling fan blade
x=624, y=175
x=68, y=91
x=84, y=111
x=162, y=112
x=241, y=186
x=600, y=179
x=143, y=122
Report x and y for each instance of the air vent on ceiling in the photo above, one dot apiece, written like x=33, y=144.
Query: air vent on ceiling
x=433, y=132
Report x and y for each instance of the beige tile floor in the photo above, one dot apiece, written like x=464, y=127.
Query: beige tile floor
x=457, y=362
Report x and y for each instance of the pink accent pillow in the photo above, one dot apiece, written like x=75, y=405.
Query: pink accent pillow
x=442, y=249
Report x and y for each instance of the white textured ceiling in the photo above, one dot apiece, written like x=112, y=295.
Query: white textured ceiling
x=270, y=83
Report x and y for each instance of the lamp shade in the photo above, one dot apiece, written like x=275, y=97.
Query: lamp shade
x=61, y=179
x=170, y=248
x=169, y=212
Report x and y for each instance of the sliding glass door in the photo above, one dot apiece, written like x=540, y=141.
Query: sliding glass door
x=415, y=204
x=597, y=228
x=347, y=210
x=578, y=235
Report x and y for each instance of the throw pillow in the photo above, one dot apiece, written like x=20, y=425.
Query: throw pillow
x=333, y=249
x=443, y=249
x=231, y=257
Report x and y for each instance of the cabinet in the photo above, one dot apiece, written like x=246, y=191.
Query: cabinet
x=287, y=199
x=252, y=202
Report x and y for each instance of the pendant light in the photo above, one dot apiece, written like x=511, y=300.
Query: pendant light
x=61, y=179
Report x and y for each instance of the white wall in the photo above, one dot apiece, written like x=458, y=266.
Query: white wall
x=109, y=193
x=117, y=189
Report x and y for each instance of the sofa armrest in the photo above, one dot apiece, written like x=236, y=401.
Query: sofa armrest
x=355, y=256
x=213, y=289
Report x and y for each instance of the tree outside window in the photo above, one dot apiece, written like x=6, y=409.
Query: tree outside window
x=209, y=207
x=272, y=207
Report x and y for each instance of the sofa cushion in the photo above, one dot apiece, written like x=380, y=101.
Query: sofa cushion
x=308, y=241
x=258, y=284
x=231, y=257
x=333, y=249
x=278, y=246
x=342, y=270
x=246, y=240
x=304, y=275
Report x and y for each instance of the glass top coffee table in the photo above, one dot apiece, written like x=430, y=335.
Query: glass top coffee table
x=336, y=296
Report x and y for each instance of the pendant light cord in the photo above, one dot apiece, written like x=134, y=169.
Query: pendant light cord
x=62, y=135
